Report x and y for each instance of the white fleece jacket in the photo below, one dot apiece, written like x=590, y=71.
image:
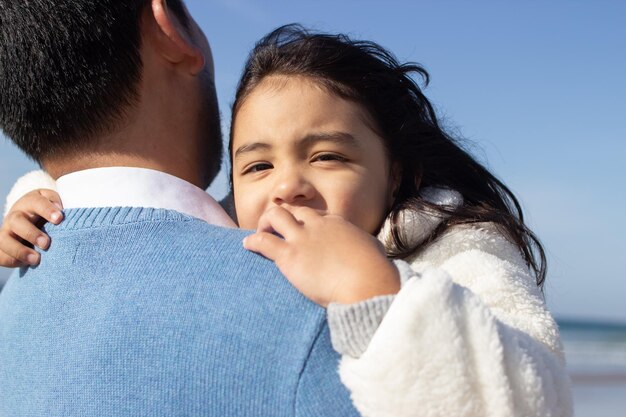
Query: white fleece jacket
x=470, y=337
x=34, y=180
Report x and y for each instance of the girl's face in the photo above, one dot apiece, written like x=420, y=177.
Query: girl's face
x=295, y=144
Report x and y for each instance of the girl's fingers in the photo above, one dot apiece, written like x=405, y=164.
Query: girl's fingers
x=9, y=261
x=19, y=225
x=305, y=214
x=278, y=220
x=53, y=196
x=37, y=203
x=17, y=250
x=266, y=244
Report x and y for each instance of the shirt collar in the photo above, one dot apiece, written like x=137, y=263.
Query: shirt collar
x=139, y=187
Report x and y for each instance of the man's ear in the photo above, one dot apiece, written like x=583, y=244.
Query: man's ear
x=173, y=40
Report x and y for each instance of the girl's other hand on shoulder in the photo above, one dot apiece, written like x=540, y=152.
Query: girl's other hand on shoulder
x=326, y=258
x=21, y=231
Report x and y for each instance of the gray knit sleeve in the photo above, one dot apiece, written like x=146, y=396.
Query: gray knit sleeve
x=352, y=326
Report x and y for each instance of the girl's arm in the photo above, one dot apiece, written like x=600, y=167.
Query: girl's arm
x=471, y=336
x=28, y=207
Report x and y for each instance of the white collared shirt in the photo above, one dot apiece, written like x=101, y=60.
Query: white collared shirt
x=139, y=187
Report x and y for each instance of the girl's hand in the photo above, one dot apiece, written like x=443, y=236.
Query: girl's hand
x=326, y=258
x=20, y=228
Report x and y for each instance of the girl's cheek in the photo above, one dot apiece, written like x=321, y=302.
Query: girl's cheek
x=245, y=221
x=245, y=217
x=368, y=207
x=241, y=206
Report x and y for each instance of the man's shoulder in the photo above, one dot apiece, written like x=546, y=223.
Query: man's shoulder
x=154, y=225
x=172, y=252
x=211, y=246
x=157, y=299
x=175, y=239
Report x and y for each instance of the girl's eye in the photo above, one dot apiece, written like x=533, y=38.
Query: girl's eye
x=261, y=166
x=329, y=157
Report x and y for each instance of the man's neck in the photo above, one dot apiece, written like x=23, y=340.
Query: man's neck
x=179, y=167
x=168, y=135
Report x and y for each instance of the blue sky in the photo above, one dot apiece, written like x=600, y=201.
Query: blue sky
x=536, y=88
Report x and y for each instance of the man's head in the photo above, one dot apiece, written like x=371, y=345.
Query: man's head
x=74, y=72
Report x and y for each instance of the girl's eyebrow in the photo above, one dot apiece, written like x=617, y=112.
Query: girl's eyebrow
x=251, y=147
x=341, y=138
x=309, y=140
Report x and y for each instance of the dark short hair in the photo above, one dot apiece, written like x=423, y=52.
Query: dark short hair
x=366, y=73
x=69, y=70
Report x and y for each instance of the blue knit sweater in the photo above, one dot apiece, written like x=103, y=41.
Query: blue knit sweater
x=145, y=312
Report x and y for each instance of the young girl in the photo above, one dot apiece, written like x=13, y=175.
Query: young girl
x=332, y=142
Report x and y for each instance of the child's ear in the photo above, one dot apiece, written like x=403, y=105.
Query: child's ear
x=419, y=173
x=395, y=178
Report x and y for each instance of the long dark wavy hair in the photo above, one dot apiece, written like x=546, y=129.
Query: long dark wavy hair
x=366, y=73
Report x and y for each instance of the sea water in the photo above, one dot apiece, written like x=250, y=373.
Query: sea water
x=596, y=360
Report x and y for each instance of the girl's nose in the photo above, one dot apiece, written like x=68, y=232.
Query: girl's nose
x=292, y=189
